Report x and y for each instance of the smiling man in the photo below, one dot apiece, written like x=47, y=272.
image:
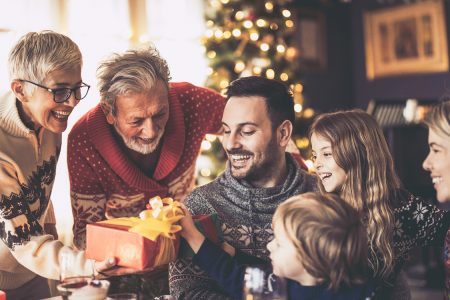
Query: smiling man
x=257, y=126
x=141, y=141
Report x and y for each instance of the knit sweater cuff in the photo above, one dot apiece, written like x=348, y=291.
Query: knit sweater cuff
x=50, y=214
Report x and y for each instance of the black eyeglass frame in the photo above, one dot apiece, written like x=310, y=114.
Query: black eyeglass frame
x=54, y=91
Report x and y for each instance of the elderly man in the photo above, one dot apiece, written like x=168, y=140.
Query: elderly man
x=257, y=126
x=141, y=141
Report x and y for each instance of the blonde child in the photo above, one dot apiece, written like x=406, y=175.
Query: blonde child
x=352, y=160
x=319, y=244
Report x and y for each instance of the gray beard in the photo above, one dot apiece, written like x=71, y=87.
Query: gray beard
x=131, y=143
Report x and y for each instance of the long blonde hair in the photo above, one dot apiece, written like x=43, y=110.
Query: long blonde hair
x=360, y=149
x=329, y=236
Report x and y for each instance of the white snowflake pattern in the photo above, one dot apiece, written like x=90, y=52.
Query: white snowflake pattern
x=398, y=228
x=419, y=213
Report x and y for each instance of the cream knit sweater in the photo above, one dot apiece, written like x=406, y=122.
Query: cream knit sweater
x=27, y=172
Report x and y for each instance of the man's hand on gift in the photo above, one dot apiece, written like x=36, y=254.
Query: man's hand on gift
x=189, y=232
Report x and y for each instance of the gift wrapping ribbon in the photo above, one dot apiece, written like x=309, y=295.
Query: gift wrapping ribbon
x=156, y=221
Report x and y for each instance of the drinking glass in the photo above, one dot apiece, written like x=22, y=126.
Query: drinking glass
x=261, y=284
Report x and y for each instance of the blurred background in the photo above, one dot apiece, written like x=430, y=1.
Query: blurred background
x=389, y=57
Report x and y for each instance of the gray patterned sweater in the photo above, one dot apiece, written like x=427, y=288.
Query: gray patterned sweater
x=245, y=215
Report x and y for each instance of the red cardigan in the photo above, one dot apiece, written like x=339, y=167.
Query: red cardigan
x=104, y=182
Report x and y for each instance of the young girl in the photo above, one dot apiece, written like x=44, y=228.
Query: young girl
x=319, y=244
x=352, y=160
x=438, y=164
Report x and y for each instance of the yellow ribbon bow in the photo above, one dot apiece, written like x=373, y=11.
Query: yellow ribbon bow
x=156, y=221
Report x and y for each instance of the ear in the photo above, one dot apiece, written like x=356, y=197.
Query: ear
x=108, y=114
x=18, y=89
x=284, y=133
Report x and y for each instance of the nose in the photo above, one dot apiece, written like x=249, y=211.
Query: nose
x=72, y=101
x=231, y=141
x=317, y=163
x=149, y=129
x=426, y=163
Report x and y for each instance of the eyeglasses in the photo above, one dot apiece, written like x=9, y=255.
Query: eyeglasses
x=61, y=95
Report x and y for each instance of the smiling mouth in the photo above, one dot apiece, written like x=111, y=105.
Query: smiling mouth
x=60, y=115
x=437, y=180
x=324, y=176
x=146, y=141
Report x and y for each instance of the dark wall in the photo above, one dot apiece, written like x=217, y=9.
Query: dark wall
x=331, y=88
x=423, y=86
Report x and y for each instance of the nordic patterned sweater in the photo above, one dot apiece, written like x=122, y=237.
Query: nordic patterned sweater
x=105, y=183
x=27, y=171
x=245, y=215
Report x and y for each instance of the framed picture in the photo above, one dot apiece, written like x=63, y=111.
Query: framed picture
x=406, y=39
x=311, y=39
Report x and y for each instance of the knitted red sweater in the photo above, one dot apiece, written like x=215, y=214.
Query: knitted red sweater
x=105, y=183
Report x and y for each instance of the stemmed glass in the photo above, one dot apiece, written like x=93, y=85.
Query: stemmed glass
x=261, y=284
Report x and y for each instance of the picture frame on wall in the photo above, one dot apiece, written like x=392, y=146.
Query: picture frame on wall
x=311, y=39
x=408, y=39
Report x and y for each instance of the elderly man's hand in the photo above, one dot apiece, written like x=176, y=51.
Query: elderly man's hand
x=104, y=265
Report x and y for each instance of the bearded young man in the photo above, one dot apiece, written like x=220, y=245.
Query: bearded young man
x=257, y=126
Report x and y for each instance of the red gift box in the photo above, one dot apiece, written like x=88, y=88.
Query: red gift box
x=129, y=248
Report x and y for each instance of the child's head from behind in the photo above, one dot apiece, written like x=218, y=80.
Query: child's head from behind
x=319, y=239
x=40, y=61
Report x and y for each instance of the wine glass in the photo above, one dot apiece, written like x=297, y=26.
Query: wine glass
x=261, y=284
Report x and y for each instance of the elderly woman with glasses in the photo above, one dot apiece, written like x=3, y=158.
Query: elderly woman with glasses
x=45, y=74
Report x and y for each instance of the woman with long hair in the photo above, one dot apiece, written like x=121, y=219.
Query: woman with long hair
x=352, y=159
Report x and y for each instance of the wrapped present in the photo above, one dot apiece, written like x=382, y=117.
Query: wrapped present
x=142, y=242
x=206, y=224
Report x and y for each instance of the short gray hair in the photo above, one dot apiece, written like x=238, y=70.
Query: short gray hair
x=37, y=54
x=134, y=71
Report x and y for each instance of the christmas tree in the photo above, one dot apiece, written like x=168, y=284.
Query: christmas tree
x=246, y=38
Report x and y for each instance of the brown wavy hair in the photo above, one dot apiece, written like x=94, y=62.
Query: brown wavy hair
x=360, y=149
x=329, y=236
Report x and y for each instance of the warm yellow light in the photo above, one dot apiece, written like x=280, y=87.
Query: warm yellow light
x=291, y=52
x=274, y=26
x=308, y=113
x=270, y=73
x=286, y=13
x=205, y=172
x=289, y=23
x=298, y=88
x=239, y=67
x=210, y=137
x=310, y=165
x=257, y=70
x=209, y=23
x=284, y=76
x=254, y=36
x=209, y=33
x=269, y=6
x=239, y=15
x=211, y=54
x=223, y=84
x=298, y=107
x=264, y=47
x=302, y=143
x=248, y=24
x=224, y=1
x=206, y=145
x=209, y=71
x=261, y=23
x=236, y=32
x=218, y=34
x=281, y=48
x=227, y=34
